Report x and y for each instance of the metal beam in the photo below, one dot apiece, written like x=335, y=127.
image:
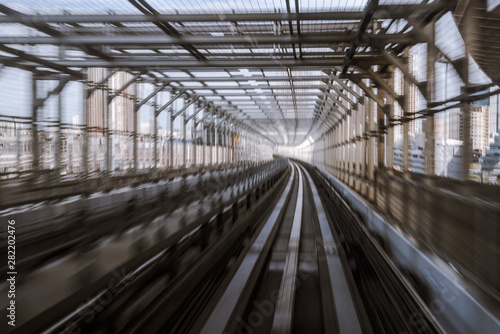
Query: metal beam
x=40, y=61
x=337, y=37
x=380, y=82
x=363, y=24
x=172, y=100
x=264, y=94
x=249, y=87
x=318, y=63
x=383, y=12
x=146, y=99
x=197, y=111
x=239, y=78
x=39, y=74
x=424, y=33
x=341, y=94
x=344, y=85
x=194, y=99
x=122, y=88
x=101, y=83
x=407, y=75
x=270, y=102
x=166, y=27
x=370, y=93
x=336, y=102
x=257, y=51
x=208, y=113
x=47, y=29
x=40, y=102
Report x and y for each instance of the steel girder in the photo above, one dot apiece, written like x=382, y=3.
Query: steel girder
x=344, y=37
x=157, y=65
x=383, y=12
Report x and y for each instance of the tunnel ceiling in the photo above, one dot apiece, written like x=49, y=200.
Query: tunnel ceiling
x=278, y=66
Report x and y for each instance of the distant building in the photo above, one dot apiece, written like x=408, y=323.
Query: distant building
x=96, y=100
x=494, y=114
x=479, y=127
x=416, y=157
x=413, y=65
x=439, y=127
x=15, y=147
x=121, y=108
x=490, y=162
x=448, y=158
x=454, y=124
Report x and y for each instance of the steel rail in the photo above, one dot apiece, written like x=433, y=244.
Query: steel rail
x=244, y=279
x=283, y=314
x=346, y=314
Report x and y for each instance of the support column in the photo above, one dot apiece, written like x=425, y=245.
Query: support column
x=195, y=143
x=204, y=139
x=134, y=115
x=223, y=143
x=184, y=139
x=430, y=145
x=371, y=150
x=357, y=149
x=467, y=147
x=348, y=149
x=326, y=158
x=155, y=133
x=85, y=150
x=171, y=151
x=216, y=132
x=345, y=146
x=18, y=147
x=107, y=122
x=469, y=24
x=352, y=143
x=34, y=127
x=381, y=135
x=225, y=150
x=212, y=139
x=342, y=149
x=228, y=144
x=235, y=144
x=406, y=119
x=331, y=150
x=325, y=139
x=338, y=135
x=335, y=163
x=58, y=144
x=390, y=129
x=364, y=140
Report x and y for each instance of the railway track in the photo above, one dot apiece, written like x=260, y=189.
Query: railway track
x=299, y=284
x=287, y=258
x=315, y=269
